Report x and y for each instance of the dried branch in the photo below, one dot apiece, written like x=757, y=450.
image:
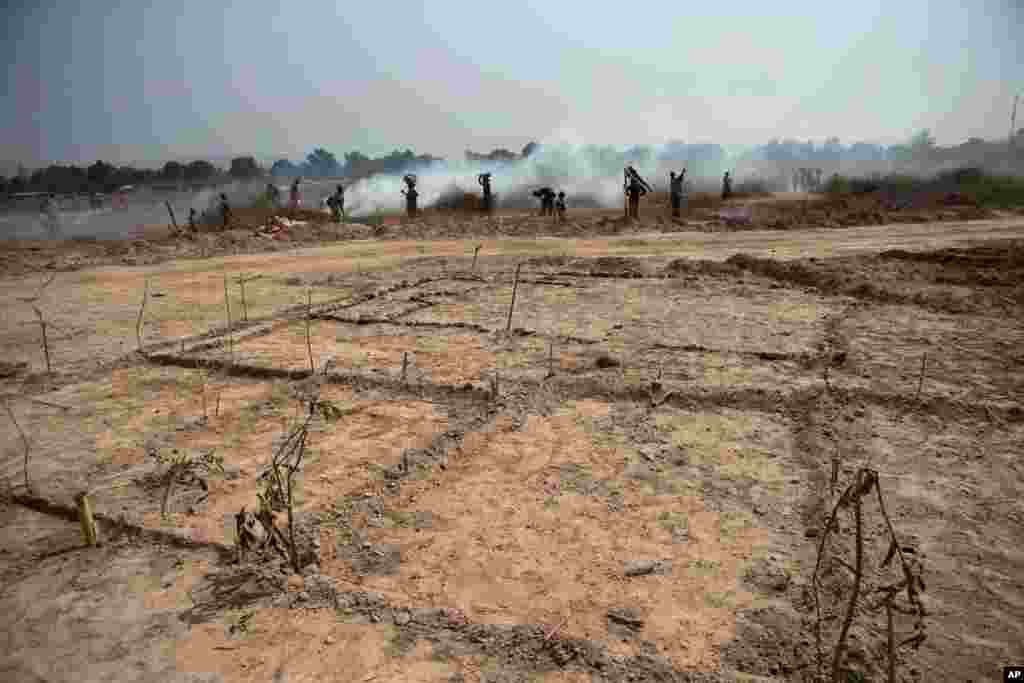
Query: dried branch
x=309, y=315
x=24, y=441
x=511, y=307
x=241, y=285
x=142, y=310
x=862, y=489
x=227, y=308
x=46, y=343
x=475, y=253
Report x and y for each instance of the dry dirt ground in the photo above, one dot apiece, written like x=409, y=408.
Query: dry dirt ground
x=645, y=496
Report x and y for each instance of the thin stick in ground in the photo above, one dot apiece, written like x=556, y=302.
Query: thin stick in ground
x=837, y=658
x=512, y=306
x=227, y=308
x=920, y=381
x=476, y=251
x=309, y=315
x=241, y=286
x=24, y=441
x=46, y=342
x=142, y=312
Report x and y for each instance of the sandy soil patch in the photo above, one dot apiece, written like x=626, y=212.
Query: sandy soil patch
x=513, y=541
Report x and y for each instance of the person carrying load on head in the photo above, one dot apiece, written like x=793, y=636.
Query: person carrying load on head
x=547, y=200
x=675, y=186
x=636, y=187
x=410, y=195
x=485, y=182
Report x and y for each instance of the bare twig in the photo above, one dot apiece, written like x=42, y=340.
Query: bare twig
x=475, y=252
x=920, y=381
x=241, y=286
x=837, y=658
x=309, y=315
x=46, y=343
x=405, y=365
x=227, y=308
x=24, y=442
x=170, y=210
x=142, y=311
x=551, y=357
x=245, y=308
x=39, y=292
x=511, y=307
x=203, y=376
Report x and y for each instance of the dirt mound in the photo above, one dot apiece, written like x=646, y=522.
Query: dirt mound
x=618, y=266
x=945, y=280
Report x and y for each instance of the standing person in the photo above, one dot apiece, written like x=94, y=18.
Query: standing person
x=485, y=182
x=295, y=199
x=560, y=207
x=547, y=200
x=410, y=195
x=225, y=210
x=337, y=204
x=817, y=180
x=726, y=186
x=273, y=195
x=675, y=185
x=634, y=190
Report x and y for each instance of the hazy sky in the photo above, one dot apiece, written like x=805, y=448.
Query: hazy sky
x=145, y=80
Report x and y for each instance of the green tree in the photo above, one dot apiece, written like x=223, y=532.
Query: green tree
x=283, y=167
x=245, y=167
x=200, y=170
x=100, y=173
x=323, y=163
x=172, y=170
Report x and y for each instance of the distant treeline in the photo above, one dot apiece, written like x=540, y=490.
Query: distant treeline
x=919, y=153
x=103, y=177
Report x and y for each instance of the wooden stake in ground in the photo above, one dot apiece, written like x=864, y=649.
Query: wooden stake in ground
x=46, y=343
x=85, y=517
x=241, y=285
x=142, y=312
x=512, y=306
x=551, y=357
x=227, y=308
x=174, y=221
x=309, y=314
x=405, y=365
x=475, y=253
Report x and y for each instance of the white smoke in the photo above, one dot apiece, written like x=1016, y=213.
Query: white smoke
x=588, y=174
